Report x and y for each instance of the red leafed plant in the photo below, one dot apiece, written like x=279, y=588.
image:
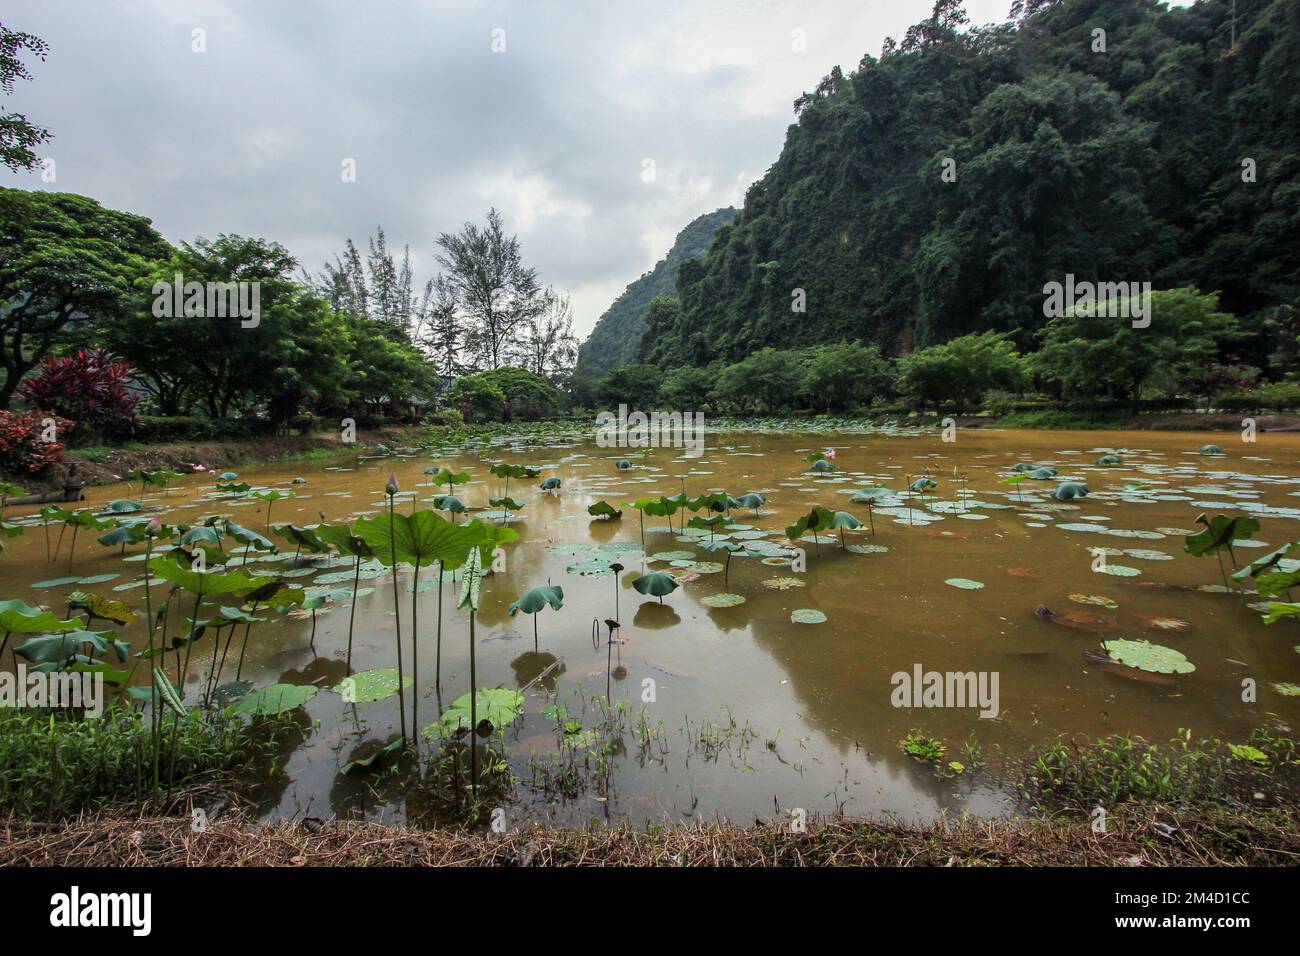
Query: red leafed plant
x=89, y=387
x=28, y=441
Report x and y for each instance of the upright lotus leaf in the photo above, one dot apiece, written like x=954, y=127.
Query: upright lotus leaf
x=1276, y=583
x=471, y=580
x=100, y=608
x=623, y=465
x=1267, y=562
x=536, y=599
x=507, y=505
x=1110, y=460
x=123, y=506
x=751, y=500
x=842, y=520
x=18, y=617
x=57, y=648
x=203, y=534
x=250, y=539
x=814, y=457
x=532, y=602
x=301, y=538
x=343, y=539
x=817, y=519
x=822, y=466
x=731, y=548
x=603, y=509
x=450, y=478
x=449, y=503
x=205, y=583
x=923, y=484
x=235, y=489
x=710, y=523
x=551, y=484
x=1069, y=490
x=271, y=496
x=130, y=532
x=424, y=536
x=1219, y=534
x=870, y=494
x=1209, y=450
x=656, y=584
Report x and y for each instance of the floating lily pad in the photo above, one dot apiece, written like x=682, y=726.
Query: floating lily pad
x=276, y=699
x=866, y=548
x=1145, y=656
x=1100, y=600
x=965, y=584
x=807, y=615
x=722, y=599
x=56, y=583
x=1163, y=622
x=1119, y=571
x=370, y=685
x=783, y=584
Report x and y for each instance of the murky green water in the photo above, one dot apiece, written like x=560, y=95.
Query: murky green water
x=803, y=711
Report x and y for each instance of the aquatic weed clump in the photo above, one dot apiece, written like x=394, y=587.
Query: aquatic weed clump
x=53, y=766
x=1081, y=774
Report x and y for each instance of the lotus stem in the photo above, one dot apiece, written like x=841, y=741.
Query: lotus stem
x=352, y=616
x=397, y=612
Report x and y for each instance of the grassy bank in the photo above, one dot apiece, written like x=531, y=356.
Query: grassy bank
x=1135, y=836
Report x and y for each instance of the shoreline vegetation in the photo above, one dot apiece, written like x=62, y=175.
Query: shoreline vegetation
x=106, y=464
x=1137, y=835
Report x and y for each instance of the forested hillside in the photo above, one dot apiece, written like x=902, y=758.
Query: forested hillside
x=613, y=342
x=1116, y=157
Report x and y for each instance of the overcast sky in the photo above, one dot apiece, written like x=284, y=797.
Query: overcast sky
x=250, y=136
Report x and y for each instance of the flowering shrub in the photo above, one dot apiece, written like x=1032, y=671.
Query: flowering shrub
x=89, y=387
x=23, y=448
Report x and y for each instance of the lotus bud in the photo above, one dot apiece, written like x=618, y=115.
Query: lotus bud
x=154, y=527
x=391, y=487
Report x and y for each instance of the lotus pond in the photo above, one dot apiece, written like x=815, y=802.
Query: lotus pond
x=748, y=673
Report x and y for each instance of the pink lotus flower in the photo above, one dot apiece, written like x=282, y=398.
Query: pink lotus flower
x=830, y=453
x=154, y=526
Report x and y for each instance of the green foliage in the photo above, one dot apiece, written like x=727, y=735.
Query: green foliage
x=1117, y=167
x=959, y=372
x=53, y=766
x=768, y=380
x=503, y=394
x=1102, y=355
x=636, y=386
x=61, y=256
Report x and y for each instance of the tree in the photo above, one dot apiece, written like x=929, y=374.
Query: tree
x=18, y=136
x=1091, y=356
x=477, y=398
x=294, y=353
x=962, y=370
x=768, y=378
x=495, y=294
x=842, y=376
x=688, y=389
x=636, y=386
x=378, y=288
x=64, y=259
x=548, y=346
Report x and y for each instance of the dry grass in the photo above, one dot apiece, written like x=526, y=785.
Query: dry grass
x=1137, y=836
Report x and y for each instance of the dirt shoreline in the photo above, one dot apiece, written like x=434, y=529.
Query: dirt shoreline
x=1135, y=836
